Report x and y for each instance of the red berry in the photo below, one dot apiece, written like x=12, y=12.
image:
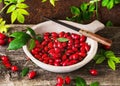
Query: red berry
x=50, y=45
x=2, y=36
x=87, y=47
x=14, y=68
x=31, y=74
x=106, y=47
x=93, y=72
x=67, y=80
x=10, y=39
x=82, y=38
x=58, y=84
x=4, y=58
x=82, y=54
x=2, y=42
x=61, y=34
x=60, y=80
x=8, y=65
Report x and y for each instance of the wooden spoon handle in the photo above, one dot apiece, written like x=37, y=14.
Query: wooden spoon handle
x=96, y=37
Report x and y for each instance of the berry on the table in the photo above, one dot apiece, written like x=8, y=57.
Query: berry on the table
x=59, y=84
x=9, y=39
x=67, y=80
x=31, y=74
x=2, y=36
x=4, y=58
x=60, y=80
x=106, y=47
x=2, y=42
x=94, y=72
x=2, y=39
x=14, y=68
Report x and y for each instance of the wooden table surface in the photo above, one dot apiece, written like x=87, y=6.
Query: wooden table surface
x=106, y=76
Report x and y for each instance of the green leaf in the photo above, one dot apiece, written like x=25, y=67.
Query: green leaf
x=100, y=60
x=84, y=6
x=19, y=1
x=11, y=8
x=94, y=84
x=62, y=39
x=17, y=34
x=52, y=2
x=22, y=5
x=110, y=4
x=117, y=1
x=111, y=64
x=31, y=31
x=20, y=18
x=24, y=71
x=31, y=44
x=21, y=38
x=17, y=43
x=0, y=1
x=44, y=0
x=39, y=38
x=13, y=16
x=75, y=10
x=91, y=7
x=105, y=2
x=109, y=23
x=115, y=59
x=80, y=82
x=109, y=54
x=23, y=11
x=3, y=26
x=86, y=15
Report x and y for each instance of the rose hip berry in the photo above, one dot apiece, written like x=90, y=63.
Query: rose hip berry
x=60, y=80
x=67, y=80
x=94, y=72
x=4, y=58
x=31, y=74
x=2, y=36
x=2, y=39
x=54, y=52
x=14, y=68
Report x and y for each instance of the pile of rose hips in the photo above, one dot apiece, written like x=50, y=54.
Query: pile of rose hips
x=58, y=53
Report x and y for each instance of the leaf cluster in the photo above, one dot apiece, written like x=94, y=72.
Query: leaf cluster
x=81, y=82
x=110, y=3
x=22, y=38
x=17, y=9
x=82, y=13
x=108, y=56
x=3, y=26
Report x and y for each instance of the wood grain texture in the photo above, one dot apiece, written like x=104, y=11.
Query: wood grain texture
x=106, y=77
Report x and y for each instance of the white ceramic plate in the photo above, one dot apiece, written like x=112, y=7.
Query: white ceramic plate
x=50, y=26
